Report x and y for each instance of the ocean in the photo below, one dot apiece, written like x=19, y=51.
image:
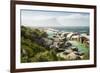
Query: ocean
x=78, y=29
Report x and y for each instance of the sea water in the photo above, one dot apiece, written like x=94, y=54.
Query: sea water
x=79, y=29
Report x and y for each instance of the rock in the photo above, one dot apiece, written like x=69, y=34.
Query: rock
x=59, y=50
x=74, y=49
x=52, y=46
x=69, y=50
x=71, y=56
x=67, y=44
x=81, y=57
x=65, y=53
x=61, y=45
x=77, y=53
x=24, y=52
x=81, y=53
x=48, y=42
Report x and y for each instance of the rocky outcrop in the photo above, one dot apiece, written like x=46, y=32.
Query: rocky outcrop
x=71, y=53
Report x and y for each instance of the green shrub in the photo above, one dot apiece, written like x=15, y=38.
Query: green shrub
x=31, y=49
x=27, y=49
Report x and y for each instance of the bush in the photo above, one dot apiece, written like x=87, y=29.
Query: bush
x=26, y=50
x=43, y=57
x=32, y=49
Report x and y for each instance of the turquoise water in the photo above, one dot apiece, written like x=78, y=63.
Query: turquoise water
x=51, y=34
x=81, y=48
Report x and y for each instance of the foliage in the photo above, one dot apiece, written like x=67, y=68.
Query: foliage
x=32, y=49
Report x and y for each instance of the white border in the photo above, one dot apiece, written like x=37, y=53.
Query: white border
x=57, y=63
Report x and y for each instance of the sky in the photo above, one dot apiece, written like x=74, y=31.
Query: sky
x=40, y=18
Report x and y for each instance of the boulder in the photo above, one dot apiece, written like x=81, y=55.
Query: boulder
x=69, y=50
x=71, y=56
x=74, y=49
x=67, y=44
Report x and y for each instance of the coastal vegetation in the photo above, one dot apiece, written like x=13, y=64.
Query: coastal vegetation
x=37, y=46
x=32, y=48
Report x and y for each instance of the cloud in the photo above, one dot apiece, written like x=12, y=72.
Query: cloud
x=36, y=18
x=40, y=21
x=46, y=19
x=74, y=16
x=74, y=20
